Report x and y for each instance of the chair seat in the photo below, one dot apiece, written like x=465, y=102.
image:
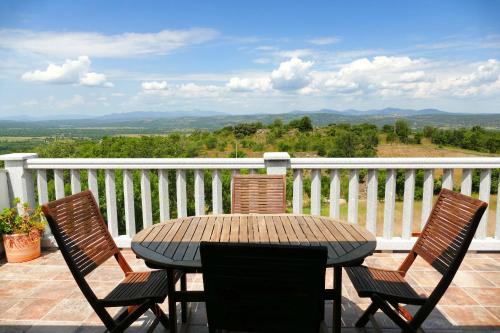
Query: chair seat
x=138, y=287
x=391, y=285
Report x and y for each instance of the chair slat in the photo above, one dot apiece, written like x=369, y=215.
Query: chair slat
x=259, y=194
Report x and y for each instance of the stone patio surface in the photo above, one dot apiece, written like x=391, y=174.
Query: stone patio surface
x=41, y=296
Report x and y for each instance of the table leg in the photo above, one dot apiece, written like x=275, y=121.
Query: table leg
x=337, y=300
x=184, y=303
x=172, y=311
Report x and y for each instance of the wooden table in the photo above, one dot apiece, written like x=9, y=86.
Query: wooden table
x=174, y=244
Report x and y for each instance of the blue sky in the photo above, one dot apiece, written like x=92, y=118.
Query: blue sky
x=96, y=57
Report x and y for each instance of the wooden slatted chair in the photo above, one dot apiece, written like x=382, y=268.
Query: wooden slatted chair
x=85, y=243
x=443, y=243
x=259, y=194
x=264, y=287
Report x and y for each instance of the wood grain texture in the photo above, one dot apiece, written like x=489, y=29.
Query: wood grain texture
x=258, y=194
x=175, y=243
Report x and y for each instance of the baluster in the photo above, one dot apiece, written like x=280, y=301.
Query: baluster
x=335, y=193
x=76, y=186
x=59, y=183
x=163, y=192
x=484, y=195
x=428, y=193
x=216, y=192
x=466, y=186
x=92, y=181
x=180, y=176
x=128, y=200
x=316, y=192
x=372, y=201
x=147, y=215
x=109, y=180
x=199, y=192
x=41, y=181
x=408, y=203
x=447, y=179
x=352, y=209
x=253, y=171
x=298, y=191
x=390, y=202
x=497, y=228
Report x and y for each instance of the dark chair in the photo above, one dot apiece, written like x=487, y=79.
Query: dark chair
x=443, y=243
x=260, y=194
x=85, y=243
x=263, y=288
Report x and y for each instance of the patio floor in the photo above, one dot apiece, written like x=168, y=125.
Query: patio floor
x=41, y=296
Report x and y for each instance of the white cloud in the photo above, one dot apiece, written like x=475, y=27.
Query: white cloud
x=298, y=53
x=248, y=84
x=73, y=44
x=70, y=72
x=291, y=75
x=412, y=76
x=154, y=85
x=261, y=60
x=324, y=40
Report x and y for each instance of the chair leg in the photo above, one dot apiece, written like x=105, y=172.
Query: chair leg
x=363, y=320
x=161, y=316
x=184, y=304
x=394, y=315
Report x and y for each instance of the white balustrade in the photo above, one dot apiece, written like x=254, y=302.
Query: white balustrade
x=21, y=166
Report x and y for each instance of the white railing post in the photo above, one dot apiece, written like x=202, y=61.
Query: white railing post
x=298, y=191
x=109, y=179
x=427, y=195
x=390, y=202
x=199, y=192
x=4, y=190
x=372, y=201
x=216, y=192
x=20, y=179
x=335, y=193
x=484, y=195
x=316, y=192
x=128, y=202
x=466, y=186
x=408, y=203
x=59, y=183
x=447, y=179
x=497, y=221
x=76, y=186
x=276, y=163
x=180, y=176
x=92, y=182
x=352, y=203
x=147, y=213
x=164, y=199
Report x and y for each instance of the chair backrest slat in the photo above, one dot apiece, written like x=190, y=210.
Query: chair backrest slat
x=260, y=194
x=262, y=287
x=80, y=231
x=449, y=229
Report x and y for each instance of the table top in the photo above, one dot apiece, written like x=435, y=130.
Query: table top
x=175, y=243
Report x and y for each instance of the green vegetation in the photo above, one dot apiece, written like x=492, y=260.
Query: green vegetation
x=475, y=138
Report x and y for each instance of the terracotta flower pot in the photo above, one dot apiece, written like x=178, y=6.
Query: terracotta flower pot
x=22, y=247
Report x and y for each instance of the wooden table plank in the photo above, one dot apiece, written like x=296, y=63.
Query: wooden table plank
x=175, y=243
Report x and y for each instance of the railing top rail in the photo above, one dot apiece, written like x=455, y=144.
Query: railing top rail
x=396, y=163
x=145, y=163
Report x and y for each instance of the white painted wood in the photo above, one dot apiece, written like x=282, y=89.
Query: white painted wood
x=253, y=171
x=447, y=179
x=408, y=203
x=399, y=244
x=390, y=203
x=316, y=192
x=163, y=193
x=109, y=180
x=216, y=192
x=298, y=192
x=352, y=208
x=5, y=200
x=335, y=193
x=76, y=186
x=92, y=182
x=372, y=201
x=484, y=195
x=128, y=200
x=147, y=214
x=427, y=195
x=199, y=192
x=466, y=186
x=41, y=181
x=59, y=183
x=180, y=176
x=497, y=221
x=276, y=162
x=21, y=182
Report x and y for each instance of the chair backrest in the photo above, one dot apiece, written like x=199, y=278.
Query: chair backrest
x=449, y=230
x=80, y=232
x=262, y=287
x=260, y=194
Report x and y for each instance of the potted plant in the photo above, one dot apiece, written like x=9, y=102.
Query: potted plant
x=22, y=232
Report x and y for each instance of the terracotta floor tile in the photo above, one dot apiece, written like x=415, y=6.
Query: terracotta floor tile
x=471, y=279
x=493, y=277
x=29, y=309
x=495, y=310
x=454, y=296
x=485, y=296
x=483, y=264
x=470, y=316
x=69, y=310
x=425, y=278
x=54, y=290
x=6, y=303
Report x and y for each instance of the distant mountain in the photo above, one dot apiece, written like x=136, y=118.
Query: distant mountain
x=392, y=112
x=143, y=115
